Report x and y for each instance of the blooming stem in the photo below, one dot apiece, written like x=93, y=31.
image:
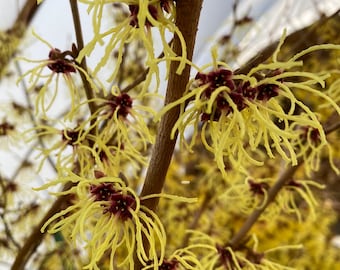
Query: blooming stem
x=80, y=46
x=187, y=20
x=272, y=193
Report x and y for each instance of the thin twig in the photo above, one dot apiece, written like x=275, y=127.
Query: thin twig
x=3, y=205
x=8, y=231
x=272, y=193
x=254, y=216
x=28, y=12
x=34, y=240
x=83, y=65
x=24, y=161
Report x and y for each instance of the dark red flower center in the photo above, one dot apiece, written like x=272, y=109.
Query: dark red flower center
x=122, y=104
x=267, y=91
x=134, y=9
x=102, y=192
x=310, y=133
x=58, y=62
x=120, y=204
x=258, y=188
x=70, y=136
x=5, y=127
x=169, y=265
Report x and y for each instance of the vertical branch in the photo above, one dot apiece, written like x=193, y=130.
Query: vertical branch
x=187, y=12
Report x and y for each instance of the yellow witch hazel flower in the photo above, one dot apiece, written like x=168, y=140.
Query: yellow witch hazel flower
x=334, y=91
x=297, y=197
x=253, y=194
x=58, y=63
x=121, y=131
x=181, y=259
x=311, y=148
x=125, y=116
x=216, y=256
x=108, y=217
x=143, y=15
x=68, y=145
x=247, y=196
x=240, y=113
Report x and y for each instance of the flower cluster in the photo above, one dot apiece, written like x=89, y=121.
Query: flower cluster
x=311, y=148
x=141, y=16
x=113, y=137
x=65, y=143
x=108, y=217
x=236, y=115
x=218, y=256
x=244, y=198
x=237, y=93
x=122, y=134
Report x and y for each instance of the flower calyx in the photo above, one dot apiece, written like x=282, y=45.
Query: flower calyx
x=121, y=103
x=114, y=200
x=59, y=63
